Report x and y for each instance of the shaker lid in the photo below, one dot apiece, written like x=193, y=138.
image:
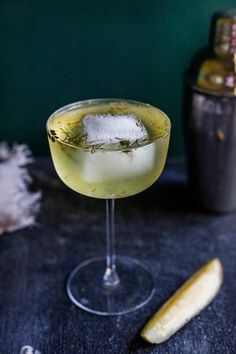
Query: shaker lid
x=214, y=68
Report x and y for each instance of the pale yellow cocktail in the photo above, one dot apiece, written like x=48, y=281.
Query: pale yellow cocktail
x=120, y=166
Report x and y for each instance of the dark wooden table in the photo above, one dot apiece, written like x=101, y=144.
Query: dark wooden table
x=161, y=227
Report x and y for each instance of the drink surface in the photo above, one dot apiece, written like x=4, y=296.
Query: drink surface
x=109, y=149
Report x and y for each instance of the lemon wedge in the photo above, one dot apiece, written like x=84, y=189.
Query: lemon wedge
x=193, y=296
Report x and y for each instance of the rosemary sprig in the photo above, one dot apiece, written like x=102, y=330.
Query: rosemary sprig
x=80, y=140
x=94, y=148
x=73, y=140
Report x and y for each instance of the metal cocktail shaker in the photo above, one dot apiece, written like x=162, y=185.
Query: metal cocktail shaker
x=210, y=119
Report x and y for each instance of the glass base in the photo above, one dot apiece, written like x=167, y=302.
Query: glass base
x=86, y=290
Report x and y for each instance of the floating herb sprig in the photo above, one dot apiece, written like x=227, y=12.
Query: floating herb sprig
x=80, y=140
x=76, y=139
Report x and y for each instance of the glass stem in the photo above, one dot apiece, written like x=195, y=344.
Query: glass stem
x=110, y=278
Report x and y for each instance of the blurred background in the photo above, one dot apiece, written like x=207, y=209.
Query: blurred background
x=57, y=52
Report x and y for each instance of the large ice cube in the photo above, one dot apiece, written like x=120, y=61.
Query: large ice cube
x=113, y=166
x=113, y=128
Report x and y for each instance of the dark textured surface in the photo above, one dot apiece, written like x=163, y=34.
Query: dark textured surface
x=159, y=227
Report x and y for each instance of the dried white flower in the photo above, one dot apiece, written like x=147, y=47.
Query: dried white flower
x=27, y=349
x=18, y=206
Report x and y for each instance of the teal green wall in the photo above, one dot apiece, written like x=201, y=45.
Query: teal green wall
x=56, y=52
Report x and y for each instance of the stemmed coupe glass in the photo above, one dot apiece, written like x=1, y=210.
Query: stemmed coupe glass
x=109, y=149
